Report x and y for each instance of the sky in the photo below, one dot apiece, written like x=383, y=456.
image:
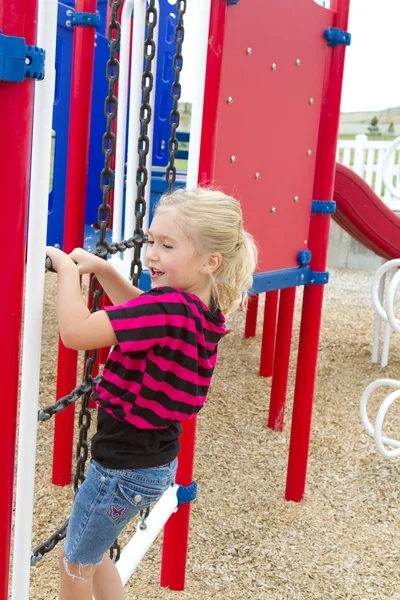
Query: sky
x=372, y=68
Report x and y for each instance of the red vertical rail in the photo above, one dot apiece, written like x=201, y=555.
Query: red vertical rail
x=19, y=18
x=75, y=202
x=268, y=337
x=176, y=531
x=318, y=244
x=282, y=358
x=251, y=317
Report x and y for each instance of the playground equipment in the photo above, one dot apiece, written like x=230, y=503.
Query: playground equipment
x=365, y=217
x=392, y=323
x=285, y=70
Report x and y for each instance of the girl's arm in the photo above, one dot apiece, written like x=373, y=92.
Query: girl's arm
x=117, y=288
x=79, y=329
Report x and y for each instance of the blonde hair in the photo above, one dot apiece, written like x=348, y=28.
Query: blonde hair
x=215, y=223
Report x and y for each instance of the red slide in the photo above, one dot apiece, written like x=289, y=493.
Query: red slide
x=361, y=213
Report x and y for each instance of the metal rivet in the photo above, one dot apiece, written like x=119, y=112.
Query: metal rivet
x=273, y=66
x=297, y=62
x=233, y=158
x=296, y=198
x=230, y=99
x=302, y=277
x=273, y=209
x=102, y=479
x=68, y=23
x=249, y=51
x=309, y=152
x=68, y=13
x=257, y=175
x=311, y=101
x=138, y=498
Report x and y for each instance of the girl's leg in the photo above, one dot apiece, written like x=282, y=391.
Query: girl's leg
x=76, y=580
x=107, y=584
x=82, y=582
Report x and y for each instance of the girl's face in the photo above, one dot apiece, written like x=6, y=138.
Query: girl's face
x=172, y=258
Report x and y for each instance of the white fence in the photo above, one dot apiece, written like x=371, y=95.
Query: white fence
x=366, y=158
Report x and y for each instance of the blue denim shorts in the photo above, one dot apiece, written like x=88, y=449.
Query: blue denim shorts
x=106, y=501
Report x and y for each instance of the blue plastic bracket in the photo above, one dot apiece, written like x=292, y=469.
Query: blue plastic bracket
x=323, y=207
x=318, y=277
x=336, y=36
x=85, y=19
x=18, y=61
x=186, y=494
x=304, y=258
x=230, y=2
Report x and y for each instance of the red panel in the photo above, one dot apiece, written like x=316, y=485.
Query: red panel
x=270, y=124
x=364, y=216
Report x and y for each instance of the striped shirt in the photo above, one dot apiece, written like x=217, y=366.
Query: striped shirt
x=161, y=369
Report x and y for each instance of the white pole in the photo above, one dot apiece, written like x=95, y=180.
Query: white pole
x=198, y=94
x=139, y=23
x=377, y=330
x=386, y=345
x=122, y=119
x=143, y=539
x=151, y=132
x=38, y=208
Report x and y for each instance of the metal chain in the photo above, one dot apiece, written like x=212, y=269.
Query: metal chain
x=49, y=411
x=47, y=546
x=142, y=174
x=174, y=118
x=110, y=113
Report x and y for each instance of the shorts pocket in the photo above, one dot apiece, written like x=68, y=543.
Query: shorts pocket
x=129, y=498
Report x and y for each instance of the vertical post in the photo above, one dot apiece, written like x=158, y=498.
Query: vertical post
x=75, y=202
x=19, y=18
x=282, y=358
x=33, y=309
x=250, y=327
x=268, y=337
x=318, y=244
x=176, y=530
x=359, y=154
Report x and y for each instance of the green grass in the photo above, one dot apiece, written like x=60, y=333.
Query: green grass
x=376, y=138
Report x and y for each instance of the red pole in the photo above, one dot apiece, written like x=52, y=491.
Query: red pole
x=318, y=244
x=75, y=202
x=282, y=357
x=176, y=530
x=268, y=337
x=251, y=317
x=19, y=18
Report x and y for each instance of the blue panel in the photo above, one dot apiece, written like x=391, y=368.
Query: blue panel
x=165, y=77
x=55, y=230
x=97, y=129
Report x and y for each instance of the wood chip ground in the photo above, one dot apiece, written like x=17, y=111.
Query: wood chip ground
x=246, y=541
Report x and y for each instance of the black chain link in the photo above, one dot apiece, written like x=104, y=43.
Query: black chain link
x=47, y=546
x=174, y=118
x=110, y=112
x=142, y=174
x=49, y=411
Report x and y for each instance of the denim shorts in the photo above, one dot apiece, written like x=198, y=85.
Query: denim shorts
x=106, y=501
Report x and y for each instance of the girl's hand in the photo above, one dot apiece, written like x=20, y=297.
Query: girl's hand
x=58, y=258
x=86, y=261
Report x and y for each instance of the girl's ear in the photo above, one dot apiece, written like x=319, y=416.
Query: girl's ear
x=212, y=262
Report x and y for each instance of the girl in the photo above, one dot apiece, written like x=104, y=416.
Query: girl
x=158, y=372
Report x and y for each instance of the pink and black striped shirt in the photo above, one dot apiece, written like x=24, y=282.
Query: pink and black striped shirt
x=161, y=369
